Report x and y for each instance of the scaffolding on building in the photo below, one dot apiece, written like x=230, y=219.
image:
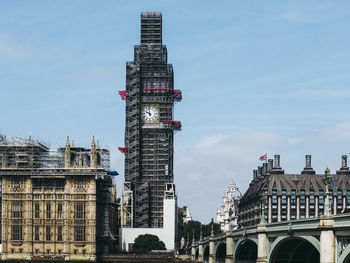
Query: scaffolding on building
x=17, y=153
x=149, y=147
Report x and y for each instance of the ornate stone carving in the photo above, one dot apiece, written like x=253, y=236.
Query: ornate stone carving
x=342, y=244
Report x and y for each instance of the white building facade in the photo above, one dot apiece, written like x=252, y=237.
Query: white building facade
x=228, y=211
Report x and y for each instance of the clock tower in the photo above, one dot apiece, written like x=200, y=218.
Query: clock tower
x=149, y=129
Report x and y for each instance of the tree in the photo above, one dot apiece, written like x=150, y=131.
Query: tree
x=190, y=228
x=147, y=242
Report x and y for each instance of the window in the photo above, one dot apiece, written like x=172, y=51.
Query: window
x=36, y=233
x=59, y=211
x=80, y=210
x=17, y=232
x=16, y=183
x=59, y=233
x=60, y=251
x=48, y=251
x=75, y=251
x=37, y=210
x=36, y=251
x=48, y=210
x=16, y=209
x=79, y=233
x=20, y=250
x=81, y=184
x=48, y=233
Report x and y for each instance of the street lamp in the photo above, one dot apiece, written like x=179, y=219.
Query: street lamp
x=327, y=180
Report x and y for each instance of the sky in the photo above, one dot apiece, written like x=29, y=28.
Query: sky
x=256, y=76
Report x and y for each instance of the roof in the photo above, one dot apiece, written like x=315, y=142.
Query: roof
x=288, y=182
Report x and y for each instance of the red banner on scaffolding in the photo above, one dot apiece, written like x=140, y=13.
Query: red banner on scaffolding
x=122, y=149
x=122, y=94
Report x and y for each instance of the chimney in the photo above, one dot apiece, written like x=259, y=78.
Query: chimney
x=260, y=171
x=344, y=162
x=269, y=165
x=264, y=168
x=255, y=174
x=308, y=168
x=277, y=161
x=344, y=169
x=276, y=168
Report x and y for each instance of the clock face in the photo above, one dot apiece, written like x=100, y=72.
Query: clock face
x=149, y=114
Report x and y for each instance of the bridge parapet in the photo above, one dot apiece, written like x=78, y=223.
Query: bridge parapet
x=326, y=236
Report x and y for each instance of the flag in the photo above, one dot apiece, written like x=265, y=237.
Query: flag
x=263, y=158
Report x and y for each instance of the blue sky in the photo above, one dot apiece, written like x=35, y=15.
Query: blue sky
x=257, y=77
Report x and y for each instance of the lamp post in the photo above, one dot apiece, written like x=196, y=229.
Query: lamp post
x=262, y=219
x=327, y=180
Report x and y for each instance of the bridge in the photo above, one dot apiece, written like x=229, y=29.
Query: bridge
x=325, y=239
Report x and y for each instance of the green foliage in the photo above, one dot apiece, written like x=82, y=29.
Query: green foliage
x=187, y=229
x=147, y=242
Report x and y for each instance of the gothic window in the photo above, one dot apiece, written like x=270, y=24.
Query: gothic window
x=17, y=183
x=80, y=184
x=59, y=210
x=16, y=209
x=37, y=210
x=16, y=232
x=59, y=233
x=48, y=210
x=36, y=233
x=48, y=233
x=79, y=233
x=79, y=210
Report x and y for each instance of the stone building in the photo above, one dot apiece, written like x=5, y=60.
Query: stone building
x=228, y=212
x=292, y=196
x=186, y=213
x=56, y=203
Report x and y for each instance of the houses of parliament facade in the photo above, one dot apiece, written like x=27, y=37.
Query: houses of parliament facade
x=53, y=201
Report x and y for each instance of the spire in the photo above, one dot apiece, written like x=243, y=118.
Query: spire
x=201, y=234
x=212, y=227
x=72, y=143
x=193, y=237
x=67, y=154
x=98, y=145
x=93, y=154
x=67, y=143
x=93, y=145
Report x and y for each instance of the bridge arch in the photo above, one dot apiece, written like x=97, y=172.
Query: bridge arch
x=298, y=249
x=345, y=255
x=246, y=251
x=220, y=252
x=206, y=254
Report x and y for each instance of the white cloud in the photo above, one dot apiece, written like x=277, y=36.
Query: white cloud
x=204, y=169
